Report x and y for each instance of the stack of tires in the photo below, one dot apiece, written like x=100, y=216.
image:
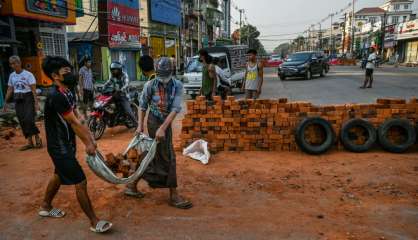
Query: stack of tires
x=406, y=135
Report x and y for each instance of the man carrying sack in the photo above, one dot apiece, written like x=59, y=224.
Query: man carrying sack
x=163, y=96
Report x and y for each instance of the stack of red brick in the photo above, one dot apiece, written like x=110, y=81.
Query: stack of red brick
x=247, y=125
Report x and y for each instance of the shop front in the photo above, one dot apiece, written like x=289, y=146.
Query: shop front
x=408, y=41
x=119, y=31
x=38, y=28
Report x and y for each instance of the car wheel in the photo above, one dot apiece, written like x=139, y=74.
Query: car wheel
x=193, y=96
x=323, y=72
x=308, y=75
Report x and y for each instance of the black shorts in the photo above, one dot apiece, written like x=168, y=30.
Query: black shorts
x=369, y=72
x=88, y=96
x=67, y=168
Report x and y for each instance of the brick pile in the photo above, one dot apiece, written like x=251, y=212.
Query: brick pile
x=248, y=125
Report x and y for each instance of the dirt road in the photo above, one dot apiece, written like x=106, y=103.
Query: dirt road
x=248, y=195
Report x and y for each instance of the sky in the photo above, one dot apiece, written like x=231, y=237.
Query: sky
x=289, y=17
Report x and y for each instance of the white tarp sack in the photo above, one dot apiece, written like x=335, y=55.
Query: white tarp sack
x=142, y=143
x=198, y=151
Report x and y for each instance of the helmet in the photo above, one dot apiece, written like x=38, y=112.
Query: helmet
x=164, y=67
x=116, y=65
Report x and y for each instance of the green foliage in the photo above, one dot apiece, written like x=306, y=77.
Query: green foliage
x=249, y=36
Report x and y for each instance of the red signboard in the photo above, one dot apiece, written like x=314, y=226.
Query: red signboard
x=122, y=35
x=120, y=23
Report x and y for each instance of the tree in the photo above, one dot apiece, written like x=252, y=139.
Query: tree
x=249, y=36
x=283, y=49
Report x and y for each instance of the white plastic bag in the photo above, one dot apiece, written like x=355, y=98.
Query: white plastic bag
x=198, y=151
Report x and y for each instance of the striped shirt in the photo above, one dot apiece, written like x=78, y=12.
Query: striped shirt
x=87, y=76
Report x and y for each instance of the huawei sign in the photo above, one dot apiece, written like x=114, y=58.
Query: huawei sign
x=115, y=14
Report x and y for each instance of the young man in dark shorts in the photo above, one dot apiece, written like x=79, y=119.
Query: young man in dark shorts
x=371, y=61
x=61, y=126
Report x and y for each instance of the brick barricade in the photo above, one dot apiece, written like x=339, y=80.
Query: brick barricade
x=248, y=125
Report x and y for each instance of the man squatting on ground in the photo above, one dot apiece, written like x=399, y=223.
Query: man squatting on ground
x=163, y=96
x=62, y=124
x=254, y=76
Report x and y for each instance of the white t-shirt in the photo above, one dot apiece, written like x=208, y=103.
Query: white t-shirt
x=21, y=82
x=220, y=75
x=371, y=61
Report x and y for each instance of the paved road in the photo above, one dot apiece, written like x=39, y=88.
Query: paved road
x=341, y=85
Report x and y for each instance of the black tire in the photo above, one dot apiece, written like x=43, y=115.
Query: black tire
x=347, y=137
x=310, y=148
x=129, y=123
x=96, y=126
x=396, y=147
x=308, y=75
x=282, y=77
x=193, y=96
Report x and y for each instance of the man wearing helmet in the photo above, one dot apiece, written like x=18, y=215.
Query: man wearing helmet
x=163, y=96
x=119, y=82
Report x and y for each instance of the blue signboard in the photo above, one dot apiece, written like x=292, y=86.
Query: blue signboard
x=166, y=11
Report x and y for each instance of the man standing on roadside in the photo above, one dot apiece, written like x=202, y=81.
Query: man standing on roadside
x=371, y=61
x=86, y=85
x=209, y=78
x=254, y=76
x=163, y=96
x=62, y=124
x=22, y=85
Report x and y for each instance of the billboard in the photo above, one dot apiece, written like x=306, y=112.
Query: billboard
x=56, y=9
x=119, y=22
x=166, y=11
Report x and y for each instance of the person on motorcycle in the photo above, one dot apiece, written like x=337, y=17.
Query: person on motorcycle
x=119, y=82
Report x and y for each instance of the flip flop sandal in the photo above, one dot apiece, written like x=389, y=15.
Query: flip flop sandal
x=102, y=226
x=38, y=143
x=26, y=147
x=131, y=193
x=55, y=213
x=181, y=205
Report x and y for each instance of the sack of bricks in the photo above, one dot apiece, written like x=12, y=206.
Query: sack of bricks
x=248, y=125
x=125, y=164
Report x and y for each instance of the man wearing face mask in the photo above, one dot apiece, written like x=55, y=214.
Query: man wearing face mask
x=163, y=96
x=119, y=82
x=62, y=124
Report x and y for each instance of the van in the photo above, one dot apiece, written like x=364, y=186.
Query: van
x=232, y=59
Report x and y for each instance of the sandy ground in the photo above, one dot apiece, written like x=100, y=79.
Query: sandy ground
x=248, y=195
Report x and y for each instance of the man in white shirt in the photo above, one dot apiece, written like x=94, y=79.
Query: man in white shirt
x=371, y=60
x=22, y=85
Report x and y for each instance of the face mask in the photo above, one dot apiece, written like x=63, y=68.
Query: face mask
x=165, y=80
x=70, y=80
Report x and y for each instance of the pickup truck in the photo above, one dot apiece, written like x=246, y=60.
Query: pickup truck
x=232, y=60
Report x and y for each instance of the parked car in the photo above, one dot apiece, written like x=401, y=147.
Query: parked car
x=274, y=61
x=232, y=60
x=304, y=64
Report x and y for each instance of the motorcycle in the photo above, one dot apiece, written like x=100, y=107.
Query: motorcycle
x=106, y=112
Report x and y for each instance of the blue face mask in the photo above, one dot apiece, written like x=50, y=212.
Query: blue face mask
x=164, y=80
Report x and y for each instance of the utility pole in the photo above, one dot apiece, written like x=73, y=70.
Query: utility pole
x=353, y=18
x=199, y=26
x=331, y=40
x=383, y=30
x=344, y=32
x=320, y=36
x=240, y=25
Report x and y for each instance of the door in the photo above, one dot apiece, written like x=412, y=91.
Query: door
x=127, y=59
x=316, y=64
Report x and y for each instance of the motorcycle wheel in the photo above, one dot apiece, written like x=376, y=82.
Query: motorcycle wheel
x=129, y=123
x=97, y=127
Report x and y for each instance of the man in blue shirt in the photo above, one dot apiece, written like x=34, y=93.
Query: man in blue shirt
x=163, y=96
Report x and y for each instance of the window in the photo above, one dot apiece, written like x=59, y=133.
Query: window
x=53, y=44
x=372, y=20
x=406, y=6
x=93, y=6
x=395, y=19
x=404, y=18
x=397, y=7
